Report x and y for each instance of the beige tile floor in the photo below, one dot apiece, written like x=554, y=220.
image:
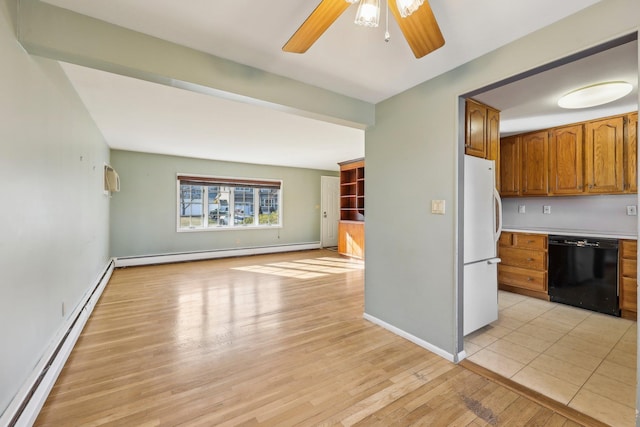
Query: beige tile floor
x=580, y=358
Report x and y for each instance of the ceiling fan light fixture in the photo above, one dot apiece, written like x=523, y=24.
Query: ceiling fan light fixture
x=597, y=94
x=368, y=14
x=407, y=7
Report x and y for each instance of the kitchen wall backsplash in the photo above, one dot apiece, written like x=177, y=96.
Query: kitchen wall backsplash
x=598, y=214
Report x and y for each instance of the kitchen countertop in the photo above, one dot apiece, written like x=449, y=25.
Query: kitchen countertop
x=568, y=232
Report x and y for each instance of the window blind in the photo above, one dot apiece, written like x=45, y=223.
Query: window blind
x=235, y=182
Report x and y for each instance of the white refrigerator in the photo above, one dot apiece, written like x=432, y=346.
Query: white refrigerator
x=482, y=228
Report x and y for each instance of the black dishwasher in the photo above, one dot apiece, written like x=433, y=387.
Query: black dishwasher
x=583, y=272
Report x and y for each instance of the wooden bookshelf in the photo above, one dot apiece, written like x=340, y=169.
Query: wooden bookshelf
x=351, y=226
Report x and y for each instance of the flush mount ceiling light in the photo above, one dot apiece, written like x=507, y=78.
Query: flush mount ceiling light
x=597, y=94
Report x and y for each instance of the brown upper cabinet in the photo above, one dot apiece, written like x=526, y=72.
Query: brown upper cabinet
x=604, y=143
x=475, y=129
x=510, y=166
x=595, y=157
x=631, y=154
x=535, y=163
x=565, y=160
x=493, y=140
x=482, y=133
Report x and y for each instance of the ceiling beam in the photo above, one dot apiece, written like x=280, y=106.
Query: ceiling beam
x=63, y=35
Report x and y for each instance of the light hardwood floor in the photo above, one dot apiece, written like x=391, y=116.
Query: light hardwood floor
x=265, y=340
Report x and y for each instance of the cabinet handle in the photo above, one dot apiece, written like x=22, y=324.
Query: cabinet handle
x=529, y=259
x=530, y=241
x=529, y=279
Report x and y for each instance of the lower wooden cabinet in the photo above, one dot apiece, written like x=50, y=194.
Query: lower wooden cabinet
x=523, y=278
x=628, y=278
x=351, y=238
x=524, y=264
x=524, y=268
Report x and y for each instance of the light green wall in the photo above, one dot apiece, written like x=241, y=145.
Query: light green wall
x=54, y=216
x=143, y=213
x=413, y=156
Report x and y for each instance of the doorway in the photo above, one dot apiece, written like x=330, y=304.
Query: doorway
x=329, y=210
x=534, y=340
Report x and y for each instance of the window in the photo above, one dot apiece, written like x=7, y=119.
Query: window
x=209, y=203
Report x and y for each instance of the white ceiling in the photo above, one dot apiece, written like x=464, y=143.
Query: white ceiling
x=347, y=59
x=137, y=115
x=532, y=103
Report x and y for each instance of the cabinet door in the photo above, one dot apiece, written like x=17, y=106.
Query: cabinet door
x=530, y=241
x=351, y=239
x=631, y=153
x=510, y=166
x=493, y=141
x=603, y=156
x=522, y=278
x=565, y=158
x=475, y=128
x=535, y=164
x=524, y=258
x=629, y=294
x=628, y=278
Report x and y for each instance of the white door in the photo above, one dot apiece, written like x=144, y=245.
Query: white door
x=330, y=210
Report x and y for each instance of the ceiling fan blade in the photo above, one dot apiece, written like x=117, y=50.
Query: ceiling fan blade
x=320, y=19
x=420, y=29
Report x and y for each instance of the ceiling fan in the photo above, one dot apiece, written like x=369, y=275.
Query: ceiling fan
x=415, y=18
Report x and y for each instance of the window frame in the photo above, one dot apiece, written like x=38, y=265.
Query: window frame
x=206, y=181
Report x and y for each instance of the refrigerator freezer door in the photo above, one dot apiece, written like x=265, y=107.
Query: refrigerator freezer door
x=480, y=295
x=479, y=209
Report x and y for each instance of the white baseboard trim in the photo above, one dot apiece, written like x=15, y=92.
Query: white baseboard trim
x=461, y=356
x=221, y=253
x=26, y=405
x=422, y=343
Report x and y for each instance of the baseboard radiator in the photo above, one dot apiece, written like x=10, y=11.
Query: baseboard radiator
x=220, y=253
x=24, y=408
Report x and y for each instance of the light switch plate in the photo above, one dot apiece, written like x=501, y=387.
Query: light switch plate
x=521, y=209
x=437, y=207
x=546, y=210
x=632, y=210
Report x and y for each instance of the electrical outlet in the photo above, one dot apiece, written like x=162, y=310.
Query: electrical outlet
x=546, y=210
x=632, y=210
x=521, y=209
x=437, y=207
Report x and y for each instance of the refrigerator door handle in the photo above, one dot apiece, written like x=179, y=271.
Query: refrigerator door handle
x=494, y=261
x=498, y=201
